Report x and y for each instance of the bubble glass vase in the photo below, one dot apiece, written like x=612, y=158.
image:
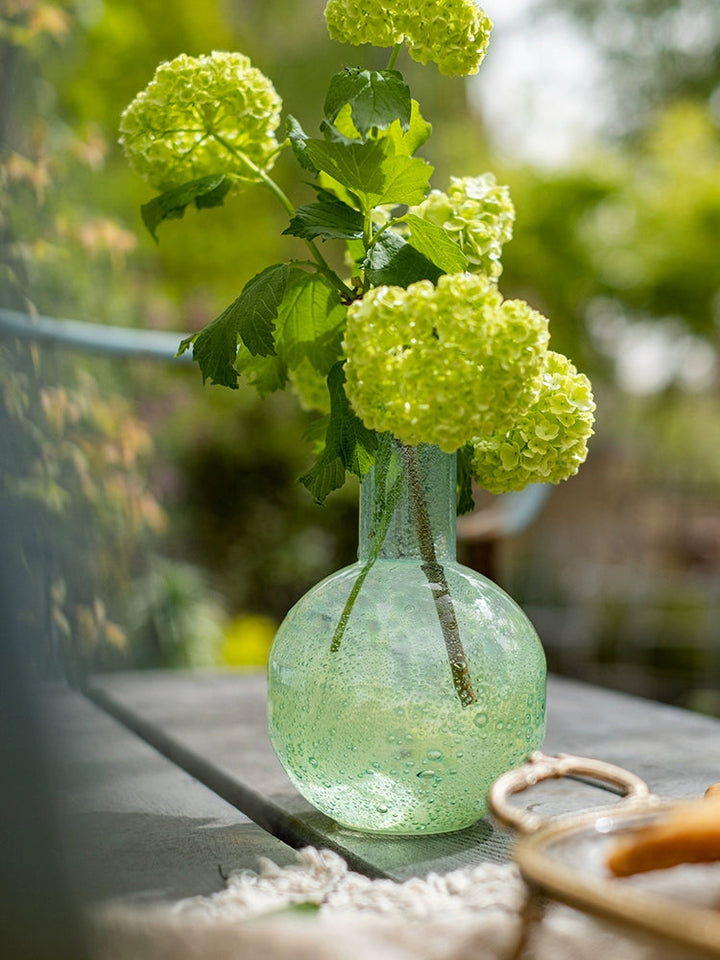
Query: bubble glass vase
x=400, y=687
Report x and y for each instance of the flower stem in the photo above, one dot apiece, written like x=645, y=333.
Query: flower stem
x=380, y=230
x=390, y=502
x=394, y=55
x=285, y=201
x=349, y=604
x=435, y=575
x=311, y=245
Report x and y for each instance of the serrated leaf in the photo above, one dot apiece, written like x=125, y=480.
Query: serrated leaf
x=354, y=165
x=356, y=252
x=171, y=205
x=408, y=141
x=186, y=343
x=316, y=433
x=311, y=320
x=330, y=219
x=407, y=180
x=298, y=139
x=344, y=127
x=214, y=350
x=266, y=374
x=377, y=98
x=327, y=475
x=434, y=243
x=338, y=192
x=465, y=502
x=257, y=309
x=391, y=260
x=333, y=134
x=349, y=445
x=324, y=195
x=249, y=318
x=214, y=197
x=372, y=171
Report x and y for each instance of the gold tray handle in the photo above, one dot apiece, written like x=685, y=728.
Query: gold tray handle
x=539, y=766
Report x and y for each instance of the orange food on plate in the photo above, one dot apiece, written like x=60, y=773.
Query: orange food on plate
x=689, y=833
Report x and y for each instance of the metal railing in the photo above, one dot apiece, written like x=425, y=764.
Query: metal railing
x=94, y=337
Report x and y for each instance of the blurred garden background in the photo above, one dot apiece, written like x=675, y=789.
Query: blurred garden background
x=154, y=522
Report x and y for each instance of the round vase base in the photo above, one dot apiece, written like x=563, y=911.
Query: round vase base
x=407, y=833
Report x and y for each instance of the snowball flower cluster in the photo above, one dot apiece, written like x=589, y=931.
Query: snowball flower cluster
x=548, y=442
x=454, y=34
x=479, y=214
x=442, y=364
x=201, y=116
x=310, y=387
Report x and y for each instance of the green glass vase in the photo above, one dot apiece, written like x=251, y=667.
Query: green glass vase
x=402, y=686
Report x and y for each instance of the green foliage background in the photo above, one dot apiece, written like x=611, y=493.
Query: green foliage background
x=632, y=231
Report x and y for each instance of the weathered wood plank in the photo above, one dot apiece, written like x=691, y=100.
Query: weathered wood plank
x=136, y=825
x=213, y=724
x=675, y=751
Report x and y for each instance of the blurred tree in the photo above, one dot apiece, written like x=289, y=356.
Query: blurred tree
x=630, y=237
x=653, y=241
x=72, y=244
x=73, y=462
x=547, y=262
x=657, y=50
x=626, y=239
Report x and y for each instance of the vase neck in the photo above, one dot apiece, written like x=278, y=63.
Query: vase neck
x=409, y=493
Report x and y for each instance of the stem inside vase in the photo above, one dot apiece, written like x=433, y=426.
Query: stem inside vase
x=435, y=574
x=388, y=491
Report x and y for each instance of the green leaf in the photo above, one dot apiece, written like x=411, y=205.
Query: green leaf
x=354, y=165
x=338, y=192
x=356, y=252
x=334, y=134
x=330, y=219
x=323, y=194
x=214, y=350
x=372, y=171
x=408, y=141
x=205, y=192
x=266, y=374
x=407, y=180
x=311, y=320
x=391, y=260
x=377, y=98
x=293, y=909
x=251, y=318
x=298, y=138
x=435, y=244
x=257, y=308
x=389, y=482
x=316, y=433
x=213, y=197
x=349, y=445
x=344, y=128
x=465, y=502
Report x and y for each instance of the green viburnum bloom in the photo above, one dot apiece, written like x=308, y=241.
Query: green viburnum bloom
x=479, y=214
x=310, y=387
x=442, y=364
x=201, y=116
x=548, y=442
x=454, y=34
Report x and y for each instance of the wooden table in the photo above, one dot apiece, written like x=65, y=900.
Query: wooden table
x=171, y=781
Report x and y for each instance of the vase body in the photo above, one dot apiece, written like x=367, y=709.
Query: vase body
x=402, y=686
